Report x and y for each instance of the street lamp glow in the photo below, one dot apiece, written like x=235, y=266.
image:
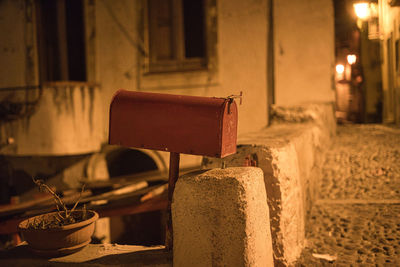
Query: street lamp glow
x=362, y=10
x=351, y=59
x=339, y=68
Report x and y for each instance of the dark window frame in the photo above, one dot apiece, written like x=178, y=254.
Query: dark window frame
x=176, y=59
x=61, y=40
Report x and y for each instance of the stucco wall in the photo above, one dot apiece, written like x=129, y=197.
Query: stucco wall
x=242, y=42
x=63, y=119
x=12, y=43
x=116, y=41
x=303, y=51
x=389, y=23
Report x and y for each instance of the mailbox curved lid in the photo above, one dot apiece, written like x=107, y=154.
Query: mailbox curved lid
x=174, y=123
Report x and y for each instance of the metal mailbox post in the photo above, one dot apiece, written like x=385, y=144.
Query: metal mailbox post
x=177, y=124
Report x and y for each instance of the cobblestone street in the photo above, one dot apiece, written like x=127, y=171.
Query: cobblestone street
x=356, y=217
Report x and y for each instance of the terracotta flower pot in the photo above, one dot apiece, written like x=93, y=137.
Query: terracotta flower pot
x=58, y=241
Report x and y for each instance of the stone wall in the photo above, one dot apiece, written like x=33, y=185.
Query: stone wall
x=289, y=154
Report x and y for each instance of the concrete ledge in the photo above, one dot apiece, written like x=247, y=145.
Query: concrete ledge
x=221, y=218
x=289, y=153
x=92, y=255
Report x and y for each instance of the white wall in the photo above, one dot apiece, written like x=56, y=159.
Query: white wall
x=303, y=51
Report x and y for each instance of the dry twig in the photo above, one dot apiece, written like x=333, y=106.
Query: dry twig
x=59, y=219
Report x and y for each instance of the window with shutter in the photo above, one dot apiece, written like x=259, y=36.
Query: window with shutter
x=176, y=36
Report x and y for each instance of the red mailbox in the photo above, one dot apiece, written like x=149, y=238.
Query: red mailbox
x=174, y=123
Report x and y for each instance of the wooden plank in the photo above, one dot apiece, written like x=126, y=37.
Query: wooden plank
x=45, y=202
x=7, y=209
x=123, y=180
x=151, y=205
x=154, y=192
x=117, y=192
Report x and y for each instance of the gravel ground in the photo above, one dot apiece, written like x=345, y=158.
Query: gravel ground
x=357, y=215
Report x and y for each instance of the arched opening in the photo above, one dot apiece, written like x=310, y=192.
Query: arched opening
x=128, y=161
x=139, y=229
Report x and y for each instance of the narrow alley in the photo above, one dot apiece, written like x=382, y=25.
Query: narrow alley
x=356, y=219
x=200, y=132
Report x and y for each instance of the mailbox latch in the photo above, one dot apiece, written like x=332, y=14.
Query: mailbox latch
x=231, y=98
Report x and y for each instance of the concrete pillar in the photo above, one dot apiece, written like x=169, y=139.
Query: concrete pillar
x=221, y=218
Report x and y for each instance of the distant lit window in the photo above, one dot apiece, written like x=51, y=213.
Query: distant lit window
x=176, y=35
x=60, y=29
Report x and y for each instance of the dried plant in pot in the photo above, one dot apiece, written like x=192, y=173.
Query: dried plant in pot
x=58, y=233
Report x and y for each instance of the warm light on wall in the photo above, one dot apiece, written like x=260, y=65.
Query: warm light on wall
x=339, y=68
x=362, y=10
x=351, y=59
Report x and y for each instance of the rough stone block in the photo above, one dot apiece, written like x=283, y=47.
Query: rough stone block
x=221, y=218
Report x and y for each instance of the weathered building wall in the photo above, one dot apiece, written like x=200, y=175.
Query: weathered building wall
x=12, y=43
x=302, y=71
x=389, y=23
x=51, y=118
x=62, y=119
x=304, y=51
